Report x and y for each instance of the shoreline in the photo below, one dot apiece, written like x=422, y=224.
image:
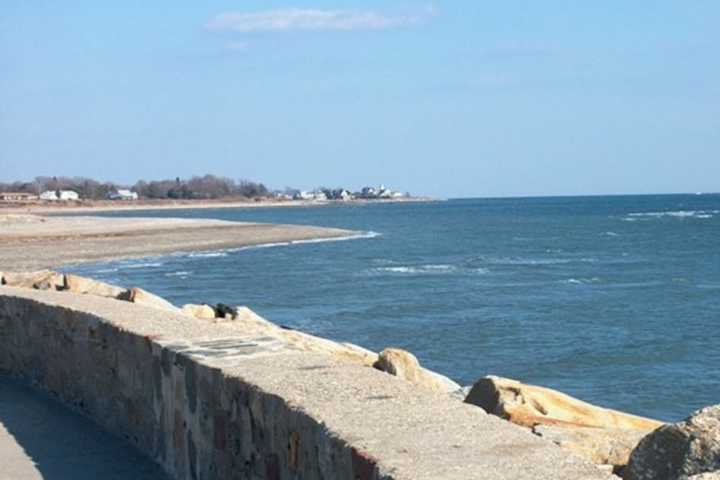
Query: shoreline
x=144, y=205
x=30, y=242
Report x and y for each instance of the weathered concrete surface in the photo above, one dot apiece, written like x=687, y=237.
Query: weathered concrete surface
x=42, y=439
x=209, y=401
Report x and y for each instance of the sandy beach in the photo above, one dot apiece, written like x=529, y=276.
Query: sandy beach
x=83, y=206
x=29, y=242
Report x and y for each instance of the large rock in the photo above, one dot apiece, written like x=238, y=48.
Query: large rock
x=706, y=476
x=405, y=365
x=680, y=450
x=41, y=279
x=143, y=297
x=252, y=323
x=88, y=286
x=203, y=312
x=529, y=405
x=600, y=446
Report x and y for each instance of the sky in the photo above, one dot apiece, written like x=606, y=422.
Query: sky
x=463, y=98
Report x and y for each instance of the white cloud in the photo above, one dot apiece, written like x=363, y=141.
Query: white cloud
x=297, y=19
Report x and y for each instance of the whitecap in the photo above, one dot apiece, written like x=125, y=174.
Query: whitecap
x=537, y=261
x=418, y=269
x=675, y=214
x=581, y=281
x=356, y=236
x=177, y=274
x=208, y=254
x=611, y=234
x=143, y=265
x=224, y=252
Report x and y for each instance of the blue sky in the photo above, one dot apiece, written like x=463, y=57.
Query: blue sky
x=451, y=98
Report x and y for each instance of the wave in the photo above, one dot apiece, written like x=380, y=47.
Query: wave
x=177, y=274
x=224, y=252
x=536, y=261
x=356, y=236
x=143, y=265
x=417, y=269
x=220, y=253
x=672, y=213
x=610, y=234
x=581, y=281
x=429, y=269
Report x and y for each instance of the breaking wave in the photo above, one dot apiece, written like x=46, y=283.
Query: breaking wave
x=177, y=274
x=428, y=269
x=631, y=217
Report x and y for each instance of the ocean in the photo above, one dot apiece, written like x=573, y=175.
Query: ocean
x=614, y=300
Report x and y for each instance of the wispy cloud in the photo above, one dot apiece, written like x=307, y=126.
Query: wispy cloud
x=297, y=19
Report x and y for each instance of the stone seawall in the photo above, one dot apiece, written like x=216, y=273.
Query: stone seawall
x=209, y=401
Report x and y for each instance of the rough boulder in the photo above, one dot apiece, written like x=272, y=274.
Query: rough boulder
x=88, y=286
x=600, y=446
x=679, y=451
x=250, y=322
x=529, y=405
x=405, y=365
x=40, y=280
x=202, y=312
x=142, y=297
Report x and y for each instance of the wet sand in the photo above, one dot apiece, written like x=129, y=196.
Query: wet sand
x=30, y=242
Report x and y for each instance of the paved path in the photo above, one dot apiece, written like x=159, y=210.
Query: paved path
x=41, y=439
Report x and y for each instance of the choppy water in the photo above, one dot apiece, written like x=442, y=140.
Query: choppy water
x=615, y=300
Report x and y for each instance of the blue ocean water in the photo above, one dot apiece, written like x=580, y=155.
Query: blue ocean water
x=615, y=300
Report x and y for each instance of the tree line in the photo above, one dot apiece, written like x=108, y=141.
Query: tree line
x=204, y=187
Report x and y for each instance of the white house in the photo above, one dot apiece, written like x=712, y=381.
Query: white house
x=65, y=195
x=122, y=194
x=49, y=195
x=69, y=195
x=303, y=195
x=316, y=195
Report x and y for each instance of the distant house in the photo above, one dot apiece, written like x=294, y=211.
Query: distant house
x=341, y=194
x=55, y=195
x=316, y=195
x=122, y=194
x=49, y=195
x=69, y=195
x=17, y=197
x=380, y=192
x=303, y=195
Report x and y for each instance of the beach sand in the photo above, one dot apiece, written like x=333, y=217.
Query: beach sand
x=30, y=242
x=90, y=206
